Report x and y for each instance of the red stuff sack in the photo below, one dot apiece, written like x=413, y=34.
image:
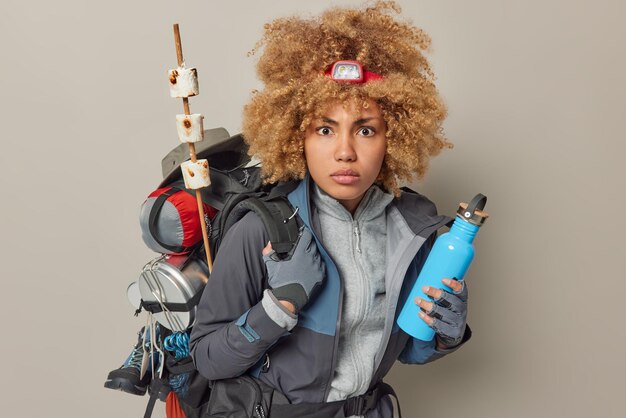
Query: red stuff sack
x=169, y=219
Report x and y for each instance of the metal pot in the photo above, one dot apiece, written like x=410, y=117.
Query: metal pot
x=170, y=287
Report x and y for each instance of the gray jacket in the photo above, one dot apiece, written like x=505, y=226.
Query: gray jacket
x=233, y=333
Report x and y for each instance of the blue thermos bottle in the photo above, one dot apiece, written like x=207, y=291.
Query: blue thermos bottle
x=450, y=257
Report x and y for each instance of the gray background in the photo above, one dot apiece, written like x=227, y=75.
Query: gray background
x=536, y=102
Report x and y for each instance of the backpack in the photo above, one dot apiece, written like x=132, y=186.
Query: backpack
x=170, y=225
x=236, y=188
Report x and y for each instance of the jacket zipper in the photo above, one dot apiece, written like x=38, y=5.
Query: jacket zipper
x=362, y=277
x=339, y=313
x=259, y=411
x=357, y=235
x=333, y=361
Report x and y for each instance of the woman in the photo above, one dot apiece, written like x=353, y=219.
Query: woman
x=349, y=107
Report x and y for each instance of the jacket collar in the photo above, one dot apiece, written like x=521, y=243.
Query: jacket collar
x=300, y=199
x=419, y=213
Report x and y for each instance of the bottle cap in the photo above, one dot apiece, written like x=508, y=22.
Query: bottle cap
x=473, y=212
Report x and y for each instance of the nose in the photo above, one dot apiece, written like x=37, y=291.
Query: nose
x=344, y=150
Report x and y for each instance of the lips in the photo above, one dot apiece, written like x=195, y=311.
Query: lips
x=345, y=173
x=345, y=176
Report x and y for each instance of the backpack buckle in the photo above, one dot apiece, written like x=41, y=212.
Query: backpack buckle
x=359, y=405
x=353, y=406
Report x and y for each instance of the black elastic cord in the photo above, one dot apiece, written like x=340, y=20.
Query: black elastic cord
x=153, y=397
x=155, y=307
x=154, y=212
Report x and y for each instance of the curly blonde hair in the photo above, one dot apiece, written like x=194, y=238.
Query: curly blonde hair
x=296, y=51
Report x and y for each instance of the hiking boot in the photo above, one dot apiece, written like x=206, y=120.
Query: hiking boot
x=127, y=377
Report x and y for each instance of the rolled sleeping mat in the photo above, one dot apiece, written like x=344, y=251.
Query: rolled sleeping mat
x=183, y=82
x=190, y=127
x=196, y=174
x=169, y=220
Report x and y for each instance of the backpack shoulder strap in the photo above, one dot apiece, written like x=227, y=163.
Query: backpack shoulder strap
x=277, y=215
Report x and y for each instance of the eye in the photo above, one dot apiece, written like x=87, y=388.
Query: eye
x=365, y=131
x=324, y=130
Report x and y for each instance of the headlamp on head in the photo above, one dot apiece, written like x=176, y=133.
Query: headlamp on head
x=351, y=72
x=347, y=71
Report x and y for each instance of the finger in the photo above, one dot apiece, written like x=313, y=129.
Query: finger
x=452, y=302
x=425, y=318
x=425, y=305
x=444, y=329
x=267, y=249
x=449, y=334
x=271, y=256
x=433, y=292
x=453, y=284
x=444, y=300
x=460, y=295
x=439, y=312
x=463, y=292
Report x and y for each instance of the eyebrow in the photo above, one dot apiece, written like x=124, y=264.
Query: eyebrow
x=358, y=122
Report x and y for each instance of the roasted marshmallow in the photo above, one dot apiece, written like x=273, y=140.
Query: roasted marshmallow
x=196, y=175
x=190, y=127
x=183, y=82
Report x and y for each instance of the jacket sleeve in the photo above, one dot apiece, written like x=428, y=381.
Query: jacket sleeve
x=422, y=352
x=232, y=329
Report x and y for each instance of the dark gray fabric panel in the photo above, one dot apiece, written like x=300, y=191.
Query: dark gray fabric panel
x=236, y=285
x=300, y=365
x=420, y=213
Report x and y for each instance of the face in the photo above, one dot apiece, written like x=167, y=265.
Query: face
x=344, y=151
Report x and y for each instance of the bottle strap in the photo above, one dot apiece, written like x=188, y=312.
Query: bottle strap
x=478, y=203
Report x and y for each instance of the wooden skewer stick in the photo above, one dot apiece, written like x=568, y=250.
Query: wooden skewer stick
x=192, y=154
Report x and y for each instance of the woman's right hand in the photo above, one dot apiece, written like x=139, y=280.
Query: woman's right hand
x=296, y=279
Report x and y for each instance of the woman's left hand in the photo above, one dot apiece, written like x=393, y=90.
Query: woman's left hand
x=447, y=314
